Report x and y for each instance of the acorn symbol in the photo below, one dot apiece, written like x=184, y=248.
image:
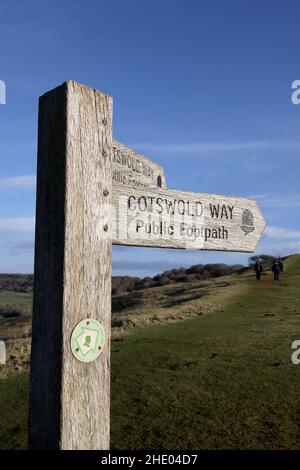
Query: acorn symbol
x=247, y=222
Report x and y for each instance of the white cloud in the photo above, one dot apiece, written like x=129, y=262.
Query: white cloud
x=278, y=232
x=18, y=182
x=199, y=147
x=280, y=248
x=20, y=247
x=292, y=200
x=259, y=196
x=157, y=265
x=17, y=224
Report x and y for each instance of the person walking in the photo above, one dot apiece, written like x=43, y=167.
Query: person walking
x=276, y=269
x=258, y=269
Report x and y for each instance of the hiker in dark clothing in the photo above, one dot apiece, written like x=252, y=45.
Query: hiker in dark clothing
x=280, y=265
x=258, y=269
x=276, y=269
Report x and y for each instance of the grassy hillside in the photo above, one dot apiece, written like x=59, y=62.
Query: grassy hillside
x=23, y=283
x=204, y=365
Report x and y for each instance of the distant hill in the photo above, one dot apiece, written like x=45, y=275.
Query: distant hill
x=16, y=282
x=123, y=284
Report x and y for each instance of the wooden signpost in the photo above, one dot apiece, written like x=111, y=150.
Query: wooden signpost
x=131, y=169
x=177, y=219
x=92, y=192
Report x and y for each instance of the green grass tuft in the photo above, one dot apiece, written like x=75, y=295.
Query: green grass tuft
x=13, y=412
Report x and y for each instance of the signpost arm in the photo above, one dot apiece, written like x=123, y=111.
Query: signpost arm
x=69, y=400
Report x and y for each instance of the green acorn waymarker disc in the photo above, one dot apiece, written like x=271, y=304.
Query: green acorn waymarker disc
x=87, y=340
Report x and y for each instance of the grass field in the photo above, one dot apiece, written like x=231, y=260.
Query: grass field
x=13, y=412
x=8, y=297
x=17, y=325
x=203, y=366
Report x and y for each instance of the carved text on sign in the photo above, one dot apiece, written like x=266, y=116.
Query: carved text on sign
x=169, y=219
x=129, y=168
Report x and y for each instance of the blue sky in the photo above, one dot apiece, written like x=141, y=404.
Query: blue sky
x=202, y=87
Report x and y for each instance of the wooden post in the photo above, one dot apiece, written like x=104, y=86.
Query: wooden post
x=69, y=399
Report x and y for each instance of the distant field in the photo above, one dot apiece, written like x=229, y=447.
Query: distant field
x=8, y=297
x=15, y=315
x=220, y=378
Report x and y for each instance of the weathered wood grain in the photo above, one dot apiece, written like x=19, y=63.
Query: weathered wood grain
x=178, y=219
x=69, y=400
x=130, y=168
